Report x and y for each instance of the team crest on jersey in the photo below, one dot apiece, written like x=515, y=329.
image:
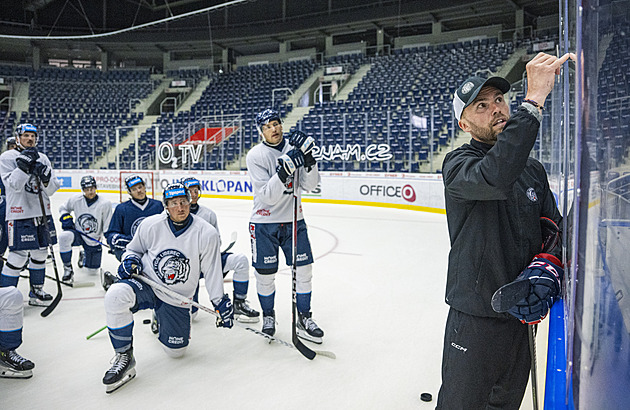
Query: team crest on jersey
x=31, y=186
x=531, y=194
x=172, y=266
x=87, y=223
x=136, y=223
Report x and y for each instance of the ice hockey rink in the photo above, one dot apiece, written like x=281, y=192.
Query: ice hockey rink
x=378, y=293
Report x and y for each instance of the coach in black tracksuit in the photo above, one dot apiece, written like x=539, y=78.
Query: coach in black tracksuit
x=495, y=195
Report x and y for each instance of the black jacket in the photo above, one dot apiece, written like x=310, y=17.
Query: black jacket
x=494, y=196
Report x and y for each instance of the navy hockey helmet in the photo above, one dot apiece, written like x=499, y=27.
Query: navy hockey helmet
x=88, y=181
x=132, y=180
x=175, y=190
x=21, y=129
x=265, y=117
x=190, y=182
x=11, y=143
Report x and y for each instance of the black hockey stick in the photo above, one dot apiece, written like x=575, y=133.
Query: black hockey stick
x=531, y=331
x=507, y=296
x=232, y=242
x=308, y=353
x=59, y=295
x=188, y=301
x=89, y=237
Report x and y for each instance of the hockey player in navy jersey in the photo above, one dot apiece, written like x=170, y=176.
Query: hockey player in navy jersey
x=93, y=214
x=128, y=215
x=12, y=365
x=27, y=174
x=172, y=248
x=236, y=262
x=271, y=166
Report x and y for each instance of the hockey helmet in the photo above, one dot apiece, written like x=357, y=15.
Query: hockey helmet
x=132, y=180
x=190, y=182
x=11, y=143
x=175, y=190
x=21, y=129
x=88, y=181
x=265, y=117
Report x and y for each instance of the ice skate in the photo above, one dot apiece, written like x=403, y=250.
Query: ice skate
x=155, y=327
x=81, y=256
x=68, y=274
x=244, y=313
x=269, y=323
x=37, y=296
x=107, y=279
x=14, y=366
x=307, y=329
x=121, y=372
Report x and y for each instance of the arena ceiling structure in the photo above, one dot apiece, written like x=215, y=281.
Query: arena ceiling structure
x=143, y=30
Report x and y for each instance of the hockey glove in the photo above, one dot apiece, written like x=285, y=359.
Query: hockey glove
x=309, y=162
x=27, y=159
x=550, y=234
x=545, y=275
x=226, y=311
x=302, y=141
x=43, y=172
x=288, y=163
x=129, y=266
x=120, y=241
x=67, y=222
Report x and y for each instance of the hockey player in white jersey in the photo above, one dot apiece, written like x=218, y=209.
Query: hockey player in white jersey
x=236, y=262
x=12, y=365
x=93, y=214
x=271, y=165
x=171, y=248
x=26, y=174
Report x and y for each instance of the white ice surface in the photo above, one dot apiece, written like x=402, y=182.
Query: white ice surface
x=378, y=293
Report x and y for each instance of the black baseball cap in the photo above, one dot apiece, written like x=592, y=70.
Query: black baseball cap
x=468, y=91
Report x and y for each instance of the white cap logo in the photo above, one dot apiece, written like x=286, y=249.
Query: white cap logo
x=467, y=87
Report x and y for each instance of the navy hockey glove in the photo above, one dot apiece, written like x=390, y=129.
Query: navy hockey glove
x=545, y=275
x=302, y=141
x=550, y=234
x=288, y=163
x=129, y=266
x=27, y=159
x=67, y=222
x=226, y=311
x=309, y=162
x=43, y=172
x=120, y=241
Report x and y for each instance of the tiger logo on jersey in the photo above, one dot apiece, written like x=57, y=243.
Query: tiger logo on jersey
x=172, y=267
x=31, y=186
x=136, y=223
x=87, y=223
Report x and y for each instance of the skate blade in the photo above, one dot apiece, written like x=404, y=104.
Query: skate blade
x=8, y=373
x=39, y=303
x=247, y=319
x=110, y=388
x=305, y=336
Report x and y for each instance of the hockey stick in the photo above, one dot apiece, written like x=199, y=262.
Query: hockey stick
x=232, y=242
x=89, y=237
x=88, y=337
x=188, y=301
x=59, y=295
x=507, y=296
x=531, y=332
x=72, y=285
x=308, y=353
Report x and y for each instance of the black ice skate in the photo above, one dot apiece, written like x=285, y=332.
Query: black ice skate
x=122, y=371
x=14, y=366
x=155, y=327
x=307, y=329
x=269, y=324
x=243, y=312
x=68, y=274
x=81, y=256
x=107, y=279
x=37, y=296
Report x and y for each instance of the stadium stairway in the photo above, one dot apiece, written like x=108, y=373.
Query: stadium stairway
x=304, y=88
x=352, y=83
x=194, y=96
x=20, y=93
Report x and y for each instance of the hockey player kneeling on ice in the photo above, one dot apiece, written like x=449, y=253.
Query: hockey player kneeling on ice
x=27, y=174
x=12, y=365
x=236, y=262
x=271, y=166
x=171, y=248
x=93, y=214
